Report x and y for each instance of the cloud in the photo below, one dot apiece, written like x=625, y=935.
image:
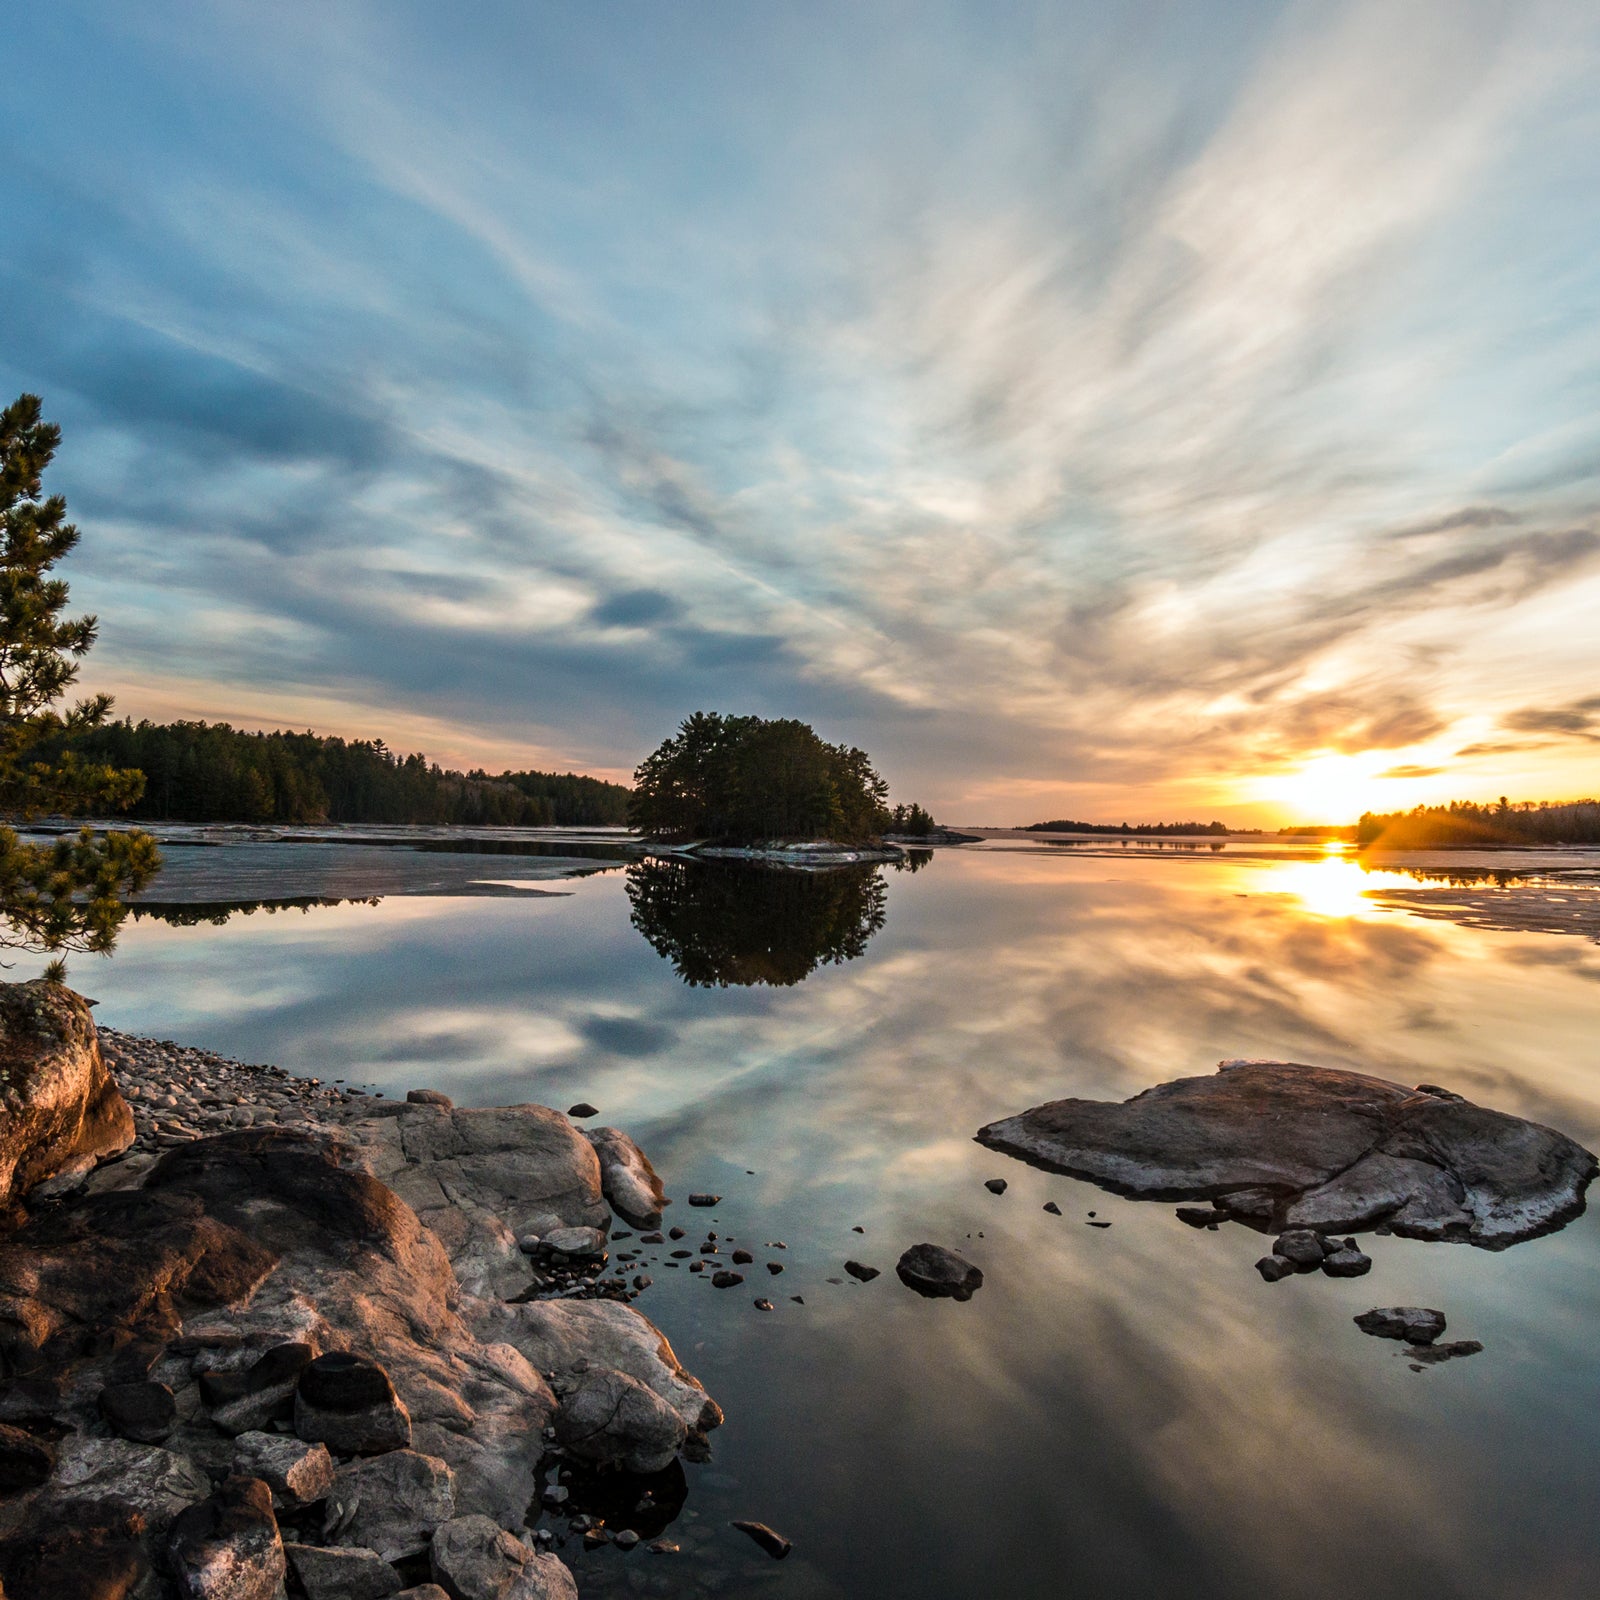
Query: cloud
x=1578, y=719
x=1075, y=404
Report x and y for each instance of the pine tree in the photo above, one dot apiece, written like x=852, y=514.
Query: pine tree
x=67, y=894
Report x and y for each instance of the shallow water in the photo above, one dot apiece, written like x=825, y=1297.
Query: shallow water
x=1121, y=1411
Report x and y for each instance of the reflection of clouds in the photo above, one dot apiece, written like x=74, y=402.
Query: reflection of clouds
x=1132, y=1407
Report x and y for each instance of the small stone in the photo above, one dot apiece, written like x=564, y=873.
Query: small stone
x=651, y=1238
x=1272, y=1268
x=662, y=1547
x=1346, y=1264
x=625, y=1539
x=857, y=1270
x=1052, y=1208
x=429, y=1097
x=774, y=1267
x=764, y=1305
x=799, y=1299
x=583, y=1109
x=676, y=1233
x=1413, y=1324
x=937, y=1273
x=742, y=1258
x=705, y=1199
x=769, y=1539
x=995, y=1185
x=1299, y=1245
x=726, y=1280
x=555, y=1494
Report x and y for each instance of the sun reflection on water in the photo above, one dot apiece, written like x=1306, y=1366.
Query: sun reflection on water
x=1336, y=885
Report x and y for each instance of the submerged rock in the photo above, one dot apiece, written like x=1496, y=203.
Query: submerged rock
x=937, y=1273
x=769, y=1539
x=1284, y=1145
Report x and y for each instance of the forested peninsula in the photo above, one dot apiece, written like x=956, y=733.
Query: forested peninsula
x=211, y=772
x=1463, y=825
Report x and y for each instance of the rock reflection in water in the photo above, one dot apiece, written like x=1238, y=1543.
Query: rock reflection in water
x=721, y=924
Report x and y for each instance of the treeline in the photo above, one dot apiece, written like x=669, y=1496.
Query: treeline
x=1152, y=829
x=1463, y=824
x=211, y=772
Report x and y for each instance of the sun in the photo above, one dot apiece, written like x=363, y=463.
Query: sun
x=1329, y=788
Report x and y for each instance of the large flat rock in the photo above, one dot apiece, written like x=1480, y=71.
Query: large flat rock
x=1316, y=1147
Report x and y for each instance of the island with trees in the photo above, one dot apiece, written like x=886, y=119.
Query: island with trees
x=767, y=788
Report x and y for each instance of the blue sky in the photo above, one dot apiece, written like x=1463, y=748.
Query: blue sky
x=1094, y=410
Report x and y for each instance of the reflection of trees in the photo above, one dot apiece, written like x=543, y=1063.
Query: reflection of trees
x=721, y=923
x=186, y=914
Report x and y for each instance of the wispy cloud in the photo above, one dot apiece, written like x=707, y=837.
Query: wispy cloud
x=1060, y=401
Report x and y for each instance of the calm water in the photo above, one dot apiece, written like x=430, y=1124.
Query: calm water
x=1127, y=1411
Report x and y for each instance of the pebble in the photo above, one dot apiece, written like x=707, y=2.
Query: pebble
x=995, y=1185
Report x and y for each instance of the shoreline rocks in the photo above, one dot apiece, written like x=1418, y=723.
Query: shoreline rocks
x=310, y=1330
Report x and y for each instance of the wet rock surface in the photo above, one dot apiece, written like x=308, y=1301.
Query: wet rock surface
x=1284, y=1146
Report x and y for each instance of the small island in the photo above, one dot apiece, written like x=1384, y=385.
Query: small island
x=750, y=788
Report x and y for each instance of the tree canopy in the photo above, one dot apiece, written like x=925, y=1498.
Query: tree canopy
x=739, y=780
x=66, y=894
x=211, y=772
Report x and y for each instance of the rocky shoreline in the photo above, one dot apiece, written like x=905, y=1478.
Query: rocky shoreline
x=262, y=1335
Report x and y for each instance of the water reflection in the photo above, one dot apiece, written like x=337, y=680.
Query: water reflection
x=721, y=924
x=1117, y=1412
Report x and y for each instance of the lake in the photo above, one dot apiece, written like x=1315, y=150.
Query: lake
x=1120, y=1411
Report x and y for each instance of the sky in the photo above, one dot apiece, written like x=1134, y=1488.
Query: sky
x=1112, y=411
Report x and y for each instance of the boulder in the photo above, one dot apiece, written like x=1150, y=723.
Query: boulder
x=59, y=1106
x=560, y=1335
x=391, y=1503
x=474, y=1558
x=1285, y=1144
x=612, y=1419
x=1413, y=1324
x=339, y=1574
x=145, y=1412
x=348, y=1403
x=227, y=1547
x=247, y=1401
x=937, y=1273
x=627, y=1179
x=299, y=1474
